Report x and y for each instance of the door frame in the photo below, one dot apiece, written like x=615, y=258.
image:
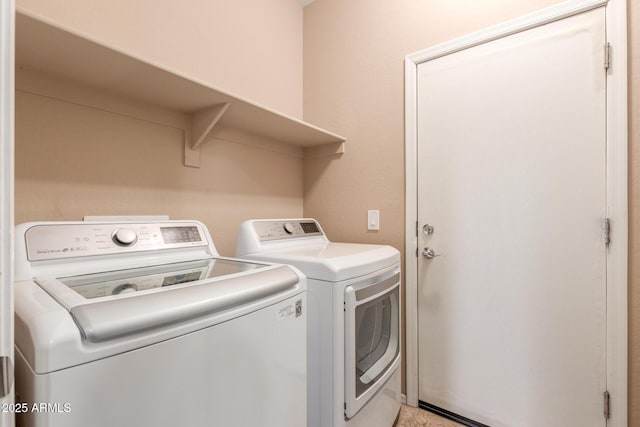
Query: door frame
x=7, y=37
x=616, y=185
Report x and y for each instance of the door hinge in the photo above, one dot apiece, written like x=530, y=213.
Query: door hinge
x=606, y=231
x=607, y=55
x=416, y=228
x=607, y=405
x=416, y=252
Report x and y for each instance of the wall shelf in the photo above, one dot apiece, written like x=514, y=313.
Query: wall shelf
x=46, y=47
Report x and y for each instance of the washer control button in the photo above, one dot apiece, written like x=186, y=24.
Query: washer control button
x=289, y=228
x=124, y=237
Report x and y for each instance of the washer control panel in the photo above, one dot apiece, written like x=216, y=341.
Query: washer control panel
x=286, y=229
x=55, y=241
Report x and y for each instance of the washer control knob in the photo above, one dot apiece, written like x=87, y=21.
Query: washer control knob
x=124, y=237
x=289, y=228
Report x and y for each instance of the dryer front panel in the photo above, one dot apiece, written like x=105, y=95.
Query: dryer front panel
x=372, y=337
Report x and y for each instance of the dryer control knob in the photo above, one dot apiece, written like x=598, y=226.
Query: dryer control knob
x=124, y=237
x=289, y=228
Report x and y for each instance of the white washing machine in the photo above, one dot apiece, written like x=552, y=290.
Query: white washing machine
x=143, y=324
x=353, y=319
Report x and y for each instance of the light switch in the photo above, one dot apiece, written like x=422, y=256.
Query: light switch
x=373, y=220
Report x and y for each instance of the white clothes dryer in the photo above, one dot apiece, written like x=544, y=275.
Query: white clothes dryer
x=143, y=324
x=353, y=319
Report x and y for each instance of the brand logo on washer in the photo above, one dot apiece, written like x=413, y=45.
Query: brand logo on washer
x=299, y=308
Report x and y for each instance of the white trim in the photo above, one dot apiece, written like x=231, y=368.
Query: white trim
x=616, y=185
x=7, y=37
x=411, y=240
x=523, y=23
x=617, y=207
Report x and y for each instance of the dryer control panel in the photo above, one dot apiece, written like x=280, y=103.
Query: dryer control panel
x=286, y=229
x=55, y=241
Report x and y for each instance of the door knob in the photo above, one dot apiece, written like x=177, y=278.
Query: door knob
x=427, y=229
x=429, y=253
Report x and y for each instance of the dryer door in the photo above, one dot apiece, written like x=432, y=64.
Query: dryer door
x=372, y=347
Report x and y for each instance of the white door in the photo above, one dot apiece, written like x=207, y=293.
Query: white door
x=511, y=175
x=6, y=211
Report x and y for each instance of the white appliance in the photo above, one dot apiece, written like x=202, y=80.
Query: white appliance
x=353, y=319
x=143, y=324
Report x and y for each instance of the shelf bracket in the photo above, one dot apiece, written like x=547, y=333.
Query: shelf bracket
x=202, y=123
x=327, y=150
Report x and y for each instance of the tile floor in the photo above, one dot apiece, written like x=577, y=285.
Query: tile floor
x=416, y=417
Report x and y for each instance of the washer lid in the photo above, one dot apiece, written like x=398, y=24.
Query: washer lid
x=113, y=304
x=113, y=284
x=332, y=261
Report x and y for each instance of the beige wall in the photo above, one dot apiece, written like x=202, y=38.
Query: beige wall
x=353, y=85
x=252, y=48
x=81, y=152
x=73, y=158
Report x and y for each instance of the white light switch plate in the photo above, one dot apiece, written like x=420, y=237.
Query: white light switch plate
x=373, y=220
